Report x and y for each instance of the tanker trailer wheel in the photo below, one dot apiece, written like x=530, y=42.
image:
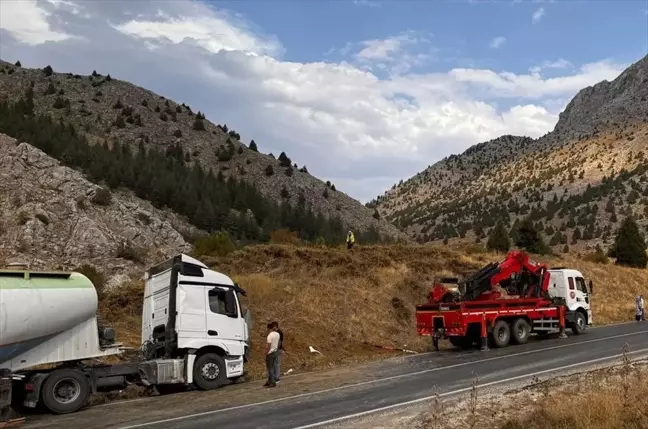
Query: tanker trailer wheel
x=520, y=331
x=501, y=334
x=465, y=343
x=209, y=371
x=65, y=391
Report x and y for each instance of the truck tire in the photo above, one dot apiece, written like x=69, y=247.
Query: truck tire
x=209, y=371
x=501, y=334
x=520, y=331
x=65, y=391
x=579, y=325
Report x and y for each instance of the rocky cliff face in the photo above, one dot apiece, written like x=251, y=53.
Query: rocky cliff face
x=108, y=110
x=52, y=217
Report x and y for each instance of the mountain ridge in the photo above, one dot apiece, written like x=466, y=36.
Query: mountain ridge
x=600, y=134
x=109, y=110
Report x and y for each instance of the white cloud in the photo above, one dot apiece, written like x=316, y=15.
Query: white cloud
x=210, y=29
x=558, y=64
x=538, y=15
x=342, y=120
x=367, y=3
x=26, y=21
x=497, y=42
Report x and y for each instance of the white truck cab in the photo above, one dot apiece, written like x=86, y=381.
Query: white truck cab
x=192, y=317
x=570, y=285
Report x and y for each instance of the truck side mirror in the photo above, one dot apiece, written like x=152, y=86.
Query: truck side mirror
x=230, y=304
x=591, y=287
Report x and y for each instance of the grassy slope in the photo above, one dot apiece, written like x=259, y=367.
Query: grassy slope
x=335, y=300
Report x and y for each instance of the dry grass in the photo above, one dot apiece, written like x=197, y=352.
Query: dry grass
x=343, y=302
x=608, y=398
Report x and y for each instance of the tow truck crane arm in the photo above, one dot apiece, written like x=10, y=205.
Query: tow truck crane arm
x=516, y=273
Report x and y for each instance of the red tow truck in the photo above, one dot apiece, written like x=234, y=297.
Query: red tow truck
x=505, y=303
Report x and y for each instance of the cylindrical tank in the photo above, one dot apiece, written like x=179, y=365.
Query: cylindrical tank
x=35, y=306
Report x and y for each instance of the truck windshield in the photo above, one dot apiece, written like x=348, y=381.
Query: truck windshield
x=580, y=284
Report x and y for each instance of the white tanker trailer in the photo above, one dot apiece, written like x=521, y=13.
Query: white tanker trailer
x=194, y=333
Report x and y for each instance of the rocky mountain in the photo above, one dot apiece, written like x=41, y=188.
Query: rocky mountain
x=576, y=182
x=51, y=216
x=107, y=110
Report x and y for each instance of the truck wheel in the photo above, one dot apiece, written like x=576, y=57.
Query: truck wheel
x=65, y=391
x=520, y=331
x=501, y=334
x=578, y=327
x=209, y=371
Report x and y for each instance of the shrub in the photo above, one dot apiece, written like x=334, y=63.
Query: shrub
x=51, y=89
x=164, y=116
x=144, y=103
x=598, y=256
x=253, y=146
x=289, y=171
x=198, y=124
x=177, y=133
x=269, y=171
x=48, y=71
x=126, y=250
x=284, y=236
x=102, y=197
x=216, y=244
x=18, y=64
x=119, y=122
x=61, y=103
x=96, y=277
x=118, y=104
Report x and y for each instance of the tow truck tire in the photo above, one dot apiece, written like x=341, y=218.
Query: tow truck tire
x=520, y=331
x=65, y=391
x=501, y=334
x=578, y=327
x=209, y=371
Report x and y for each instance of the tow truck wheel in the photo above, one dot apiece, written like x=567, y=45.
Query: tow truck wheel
x=520, y=331
x=501, y=334
x=578, y=327
x=209, y=371
x=65, y=391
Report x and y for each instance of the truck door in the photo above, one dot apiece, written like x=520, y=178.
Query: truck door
x=223, y=316
x=582, y=294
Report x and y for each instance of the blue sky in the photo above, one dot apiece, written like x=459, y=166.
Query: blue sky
x=365, y=92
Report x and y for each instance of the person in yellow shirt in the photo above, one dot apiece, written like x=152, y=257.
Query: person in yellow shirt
x=350, y=239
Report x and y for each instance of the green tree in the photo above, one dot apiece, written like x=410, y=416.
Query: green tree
x=253, y=146
x=629, y=246
x=498, y=239
x=529, y=238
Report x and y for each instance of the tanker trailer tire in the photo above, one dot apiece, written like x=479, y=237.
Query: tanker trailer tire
x=501, y=335
x=65, y=391
x=209, y=371
x=520, y=331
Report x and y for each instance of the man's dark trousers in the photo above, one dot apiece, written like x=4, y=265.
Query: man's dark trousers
x=271, y=359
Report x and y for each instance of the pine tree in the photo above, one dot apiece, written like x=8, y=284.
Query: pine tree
x=629, y=246
x=530, y=239
x=498, y=239
x=253, y=146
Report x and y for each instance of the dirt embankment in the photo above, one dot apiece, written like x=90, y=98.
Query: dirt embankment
x=343, y=302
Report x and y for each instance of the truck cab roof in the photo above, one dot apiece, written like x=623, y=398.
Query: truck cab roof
x=567, y=271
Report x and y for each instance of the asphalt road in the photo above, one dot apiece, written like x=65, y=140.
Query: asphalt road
x=391, y=385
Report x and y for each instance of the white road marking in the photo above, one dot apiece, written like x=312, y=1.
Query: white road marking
x=466, y=389
x=408, y=356
x=364, y=383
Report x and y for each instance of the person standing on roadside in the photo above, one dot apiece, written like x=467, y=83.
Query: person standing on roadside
x=280, y=352
x=272, y=351
x=639, y=308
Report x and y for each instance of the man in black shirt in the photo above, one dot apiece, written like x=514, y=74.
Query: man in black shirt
x=279, y=352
